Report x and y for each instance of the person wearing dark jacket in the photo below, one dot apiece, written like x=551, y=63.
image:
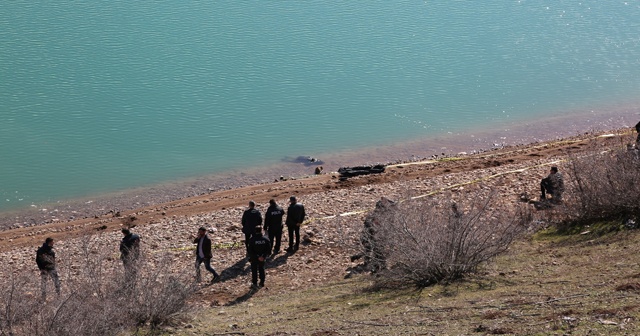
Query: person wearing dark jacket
x=250, y=219
x=295, y=217
x=130, y=252
x=552, y=185
x=204, y=255
x=638, y=138
x=46, y=261
x=259, y=247
x=273, y=224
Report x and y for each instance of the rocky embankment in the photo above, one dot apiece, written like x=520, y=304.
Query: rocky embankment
x=335, y=211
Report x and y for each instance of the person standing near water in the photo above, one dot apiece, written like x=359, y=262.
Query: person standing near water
x=273, y=224
x=130, y=253
x=46, y=261
x=250, y=219
x=295, y=217
x=204, y=255
x=259, y=247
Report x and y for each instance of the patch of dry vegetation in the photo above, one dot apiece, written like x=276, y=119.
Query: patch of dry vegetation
x=548, y=284
x=101, y=300
x=606, y=187
x=426, y=241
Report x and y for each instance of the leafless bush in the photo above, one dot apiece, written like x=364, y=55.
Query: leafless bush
x=97, y=299
x=16, y=303
x=155, y=299
x=605, y=186
x=427, y=241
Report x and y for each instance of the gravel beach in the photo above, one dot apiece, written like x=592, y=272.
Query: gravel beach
x=335, y=211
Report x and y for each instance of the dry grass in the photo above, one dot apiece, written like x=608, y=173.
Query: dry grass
x=99, y=299
x=547, y=285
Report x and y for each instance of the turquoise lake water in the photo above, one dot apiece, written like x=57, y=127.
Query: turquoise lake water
x=102, y=96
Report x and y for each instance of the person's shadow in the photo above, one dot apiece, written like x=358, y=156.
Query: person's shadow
x=280, y=260
x=239, y=269
x=235, y=270
x=243, y=268
x=242, y=298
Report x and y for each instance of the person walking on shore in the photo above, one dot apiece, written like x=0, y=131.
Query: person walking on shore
x=204, y=255
x=130, y=253
x=250, y=219
x=259, y=247
x=273, y=224
x=46, y=261
x=295, y=217
x=552, y=185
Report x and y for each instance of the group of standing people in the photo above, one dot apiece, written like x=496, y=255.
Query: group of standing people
x=252, y=218
x=258, y=246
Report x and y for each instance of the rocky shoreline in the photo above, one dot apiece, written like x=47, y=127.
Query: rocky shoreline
x=335, y=212
x=472, y=142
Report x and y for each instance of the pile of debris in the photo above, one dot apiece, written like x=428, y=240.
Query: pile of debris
x=346, y=172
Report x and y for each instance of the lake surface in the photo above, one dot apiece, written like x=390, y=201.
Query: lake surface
x=103, y=96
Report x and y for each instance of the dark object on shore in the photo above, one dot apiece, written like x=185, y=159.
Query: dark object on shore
x=346, y=172
x=306, y=160
x=318, y=170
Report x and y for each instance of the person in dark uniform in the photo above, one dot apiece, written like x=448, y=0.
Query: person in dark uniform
x=130, y=253
x=273, y=224
x=295, y=217
x=259, y=247
x=204, y=255
x=250, y=219
x=46, y=261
